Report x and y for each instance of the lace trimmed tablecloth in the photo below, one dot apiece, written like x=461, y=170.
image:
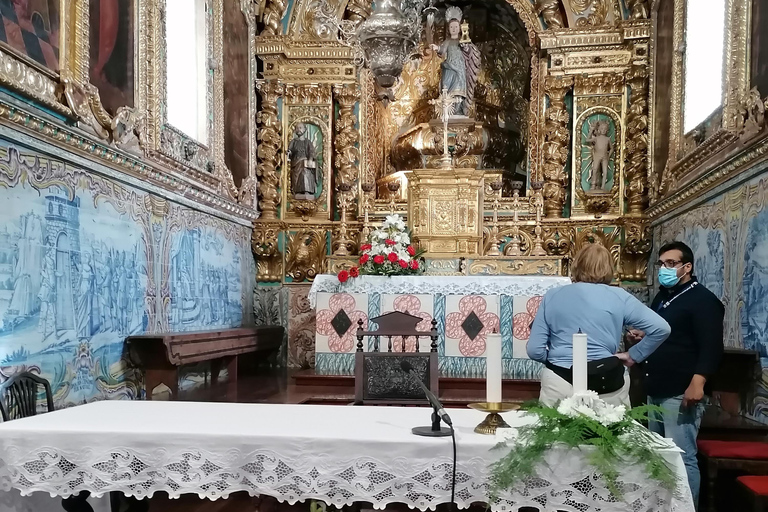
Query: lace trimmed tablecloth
x=336, y=454
x=521, y=286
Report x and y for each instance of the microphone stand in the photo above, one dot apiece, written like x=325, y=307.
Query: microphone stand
x=435, y=430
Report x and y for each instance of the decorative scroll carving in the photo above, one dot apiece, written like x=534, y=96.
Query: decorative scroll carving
x=598, y=14
x=305, y=254
x=347, y=135
x=637, y=247
x=550, y=11
x=636, y=163
x=264, y=244
x=273, y=17
x=270, y=144
x=556, y=137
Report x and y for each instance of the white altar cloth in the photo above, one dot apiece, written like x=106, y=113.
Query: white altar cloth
x=525, y=286
x=337, y=454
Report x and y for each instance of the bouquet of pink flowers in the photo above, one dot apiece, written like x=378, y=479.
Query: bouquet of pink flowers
x=388, y=252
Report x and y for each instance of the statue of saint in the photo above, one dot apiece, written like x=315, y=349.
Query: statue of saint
x=461, y=61
x=602, y=149
x=301, y=153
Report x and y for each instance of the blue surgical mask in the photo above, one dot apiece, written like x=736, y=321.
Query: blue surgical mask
x=668, y=277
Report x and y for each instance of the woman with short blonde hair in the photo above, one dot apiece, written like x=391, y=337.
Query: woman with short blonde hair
x=592, y=264
x=600, y=311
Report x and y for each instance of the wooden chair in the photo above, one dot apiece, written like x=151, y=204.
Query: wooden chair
x=18, y=399
x=379, y=376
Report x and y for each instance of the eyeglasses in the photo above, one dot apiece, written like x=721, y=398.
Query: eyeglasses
x=668, y=263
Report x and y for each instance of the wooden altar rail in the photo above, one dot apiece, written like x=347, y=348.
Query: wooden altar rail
x=162, y=355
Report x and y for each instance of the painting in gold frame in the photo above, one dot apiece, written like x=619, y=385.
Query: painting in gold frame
x=31, y=30
x=112, y=28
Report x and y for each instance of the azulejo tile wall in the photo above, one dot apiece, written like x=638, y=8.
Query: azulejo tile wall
x=86, y=261
x=729, y=238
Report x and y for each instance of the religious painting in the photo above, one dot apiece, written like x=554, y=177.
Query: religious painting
x=759, y=50
x=31, y=29
x=305, y=154
x=236, y=89
x=111, y=52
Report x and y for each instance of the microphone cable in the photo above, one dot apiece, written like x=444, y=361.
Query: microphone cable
x=453, y=477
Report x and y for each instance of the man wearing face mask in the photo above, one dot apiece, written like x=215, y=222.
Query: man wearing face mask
x=676, y=373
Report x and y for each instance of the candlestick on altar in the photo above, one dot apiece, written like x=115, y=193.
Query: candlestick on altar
x=538, y=206
x=579, y=362
x=344, y=203
x=367, y=189
x=493, y=249
x=514, y=243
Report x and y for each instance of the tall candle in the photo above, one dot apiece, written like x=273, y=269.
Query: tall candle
x=493, y=368
x=579, y=362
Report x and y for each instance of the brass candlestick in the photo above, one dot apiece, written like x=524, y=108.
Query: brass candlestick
x=538, y=206
x=367, y=201
x=344, y=203
x=393, y=187
x=494, y=420
x=493, y=250
x=514, y=243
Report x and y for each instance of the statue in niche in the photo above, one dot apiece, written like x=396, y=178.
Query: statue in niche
x=601, y=151
x=301, y=153
x=461, y=61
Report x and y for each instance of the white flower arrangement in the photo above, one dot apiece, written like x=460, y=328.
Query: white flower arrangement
x=589, y=404
x=388, y=252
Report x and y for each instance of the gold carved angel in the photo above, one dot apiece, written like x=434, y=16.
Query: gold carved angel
x=461, y=61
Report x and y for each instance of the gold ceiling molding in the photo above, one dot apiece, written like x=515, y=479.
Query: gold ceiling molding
x=596, y=36
x=716, y=175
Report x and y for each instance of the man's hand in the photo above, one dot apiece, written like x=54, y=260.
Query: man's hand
x=635, y=335
x=695, y=392
x=626, y=359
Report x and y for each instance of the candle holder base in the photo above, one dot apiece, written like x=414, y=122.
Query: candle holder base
x=494, y=420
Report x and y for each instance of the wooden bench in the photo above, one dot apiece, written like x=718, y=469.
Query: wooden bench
x=161, y=355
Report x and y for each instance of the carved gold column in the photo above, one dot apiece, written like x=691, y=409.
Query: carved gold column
x=637, y=247
x=556, y=137
x=636, y=163
x=347, y=157
x=270, y=144
x=273, y=17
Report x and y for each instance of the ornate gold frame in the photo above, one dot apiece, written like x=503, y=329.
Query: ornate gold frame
x=591, y=204
x=320, y=115
x=685, y=153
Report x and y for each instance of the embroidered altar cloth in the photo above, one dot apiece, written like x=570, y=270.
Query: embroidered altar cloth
x=336, y=454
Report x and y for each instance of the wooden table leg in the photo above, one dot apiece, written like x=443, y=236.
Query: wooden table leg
x=155, y=377
x=232, y=378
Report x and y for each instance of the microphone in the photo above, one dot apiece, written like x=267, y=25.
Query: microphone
x=433, y=401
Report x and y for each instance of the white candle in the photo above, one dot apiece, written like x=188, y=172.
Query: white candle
x=579, y=362
x=493, y=368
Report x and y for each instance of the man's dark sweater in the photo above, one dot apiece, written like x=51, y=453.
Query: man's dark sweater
x=696, y=344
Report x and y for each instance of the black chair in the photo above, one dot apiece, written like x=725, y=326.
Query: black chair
x=18, y=396
x=18, y=399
